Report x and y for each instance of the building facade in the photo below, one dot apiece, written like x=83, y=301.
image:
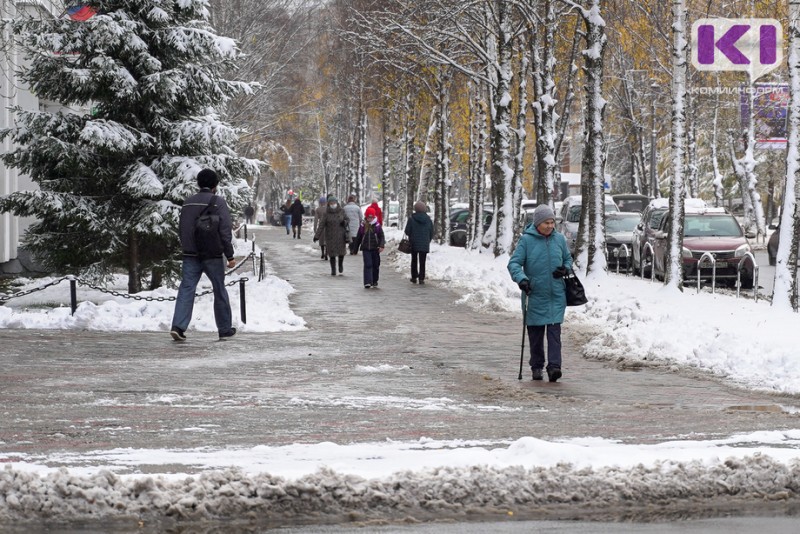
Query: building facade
x=14, y=94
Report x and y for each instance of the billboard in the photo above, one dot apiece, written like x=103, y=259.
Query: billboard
x=770, y=110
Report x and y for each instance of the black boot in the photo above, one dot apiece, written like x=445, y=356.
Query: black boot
x=341, y=264
x=323, y=256
x=333, y=266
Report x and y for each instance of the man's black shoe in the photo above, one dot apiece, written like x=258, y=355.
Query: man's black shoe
x=229, y=333
x=537, y=374
x=177, y=334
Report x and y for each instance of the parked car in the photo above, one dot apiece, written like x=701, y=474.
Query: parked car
x=568, y=219
x=711, y=231
x=619, y=231
x=649, y=225
x=631, y=202
x=390, y=218
x=458, y=226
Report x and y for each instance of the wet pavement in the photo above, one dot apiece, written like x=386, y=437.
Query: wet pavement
x=78, y=391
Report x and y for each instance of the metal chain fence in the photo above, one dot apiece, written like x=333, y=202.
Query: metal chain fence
x=257, y=267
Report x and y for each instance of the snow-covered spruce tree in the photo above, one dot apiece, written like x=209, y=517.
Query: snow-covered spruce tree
x=142, y=79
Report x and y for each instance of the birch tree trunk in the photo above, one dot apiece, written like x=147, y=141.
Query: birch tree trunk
x=386, y=174
x=427, y=162
x=502, y=173
x=673, y=268
x=521, y=135
x=719, y=190
x=478, y=176
x=691, y=150
x=755, y=215
x=784, y=291
x=441, y=223
x=594, y=155
x=544, y=108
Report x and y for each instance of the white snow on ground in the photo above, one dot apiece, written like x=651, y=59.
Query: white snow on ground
x=745, y=342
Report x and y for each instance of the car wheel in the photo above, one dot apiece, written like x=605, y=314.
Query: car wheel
x=747, y=282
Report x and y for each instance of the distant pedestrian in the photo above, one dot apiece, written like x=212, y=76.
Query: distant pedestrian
x=538, y=265
x=287, y=215
x=261, y=216
x=378, y=212
x=196, y=262
x=370, y=240
x=318, y=213
x=297, y=210
x=249, y=212
x=354, y=218
x=419, y=229
x=333, y=229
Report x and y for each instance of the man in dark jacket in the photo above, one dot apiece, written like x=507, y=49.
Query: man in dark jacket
x=205, y=201
x=419, y=230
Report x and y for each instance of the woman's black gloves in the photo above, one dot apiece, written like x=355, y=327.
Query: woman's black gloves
x=525, y=286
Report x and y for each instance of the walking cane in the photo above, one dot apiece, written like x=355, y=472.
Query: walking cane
x=522, y=349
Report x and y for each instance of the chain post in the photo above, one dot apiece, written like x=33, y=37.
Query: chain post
x=73, y=295
x=261, y=268
x=242, y=305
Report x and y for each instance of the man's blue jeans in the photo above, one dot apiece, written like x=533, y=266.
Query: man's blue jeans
x=192, y=269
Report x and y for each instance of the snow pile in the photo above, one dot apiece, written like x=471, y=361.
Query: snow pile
x=442, y=480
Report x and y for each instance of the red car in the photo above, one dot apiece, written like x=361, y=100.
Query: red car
x=709, y=231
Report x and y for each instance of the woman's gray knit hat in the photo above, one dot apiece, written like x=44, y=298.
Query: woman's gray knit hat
x=541, y=214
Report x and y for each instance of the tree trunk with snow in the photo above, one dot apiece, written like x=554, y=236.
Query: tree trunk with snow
x=502, y=173
x=543, y=65
x=673, y=267
x=428, y=161
x=755, y=214
x=521, y=135
x=478, y=176
x=591, y=234
x=441, y=190
x=719, y=190
x=784, y=293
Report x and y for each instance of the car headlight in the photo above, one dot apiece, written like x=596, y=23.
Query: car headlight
x=741, y=251
x=686, y=253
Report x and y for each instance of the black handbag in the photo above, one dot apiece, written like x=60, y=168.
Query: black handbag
x=405, y=245
x=576, y=296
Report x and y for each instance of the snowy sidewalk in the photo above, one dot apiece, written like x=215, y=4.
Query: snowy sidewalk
x=403, y=377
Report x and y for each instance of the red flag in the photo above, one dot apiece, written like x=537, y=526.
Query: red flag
x=80, y=12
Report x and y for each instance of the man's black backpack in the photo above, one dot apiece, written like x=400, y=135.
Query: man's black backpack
x=206, y=234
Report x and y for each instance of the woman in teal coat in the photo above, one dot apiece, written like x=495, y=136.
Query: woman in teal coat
x=538, y=265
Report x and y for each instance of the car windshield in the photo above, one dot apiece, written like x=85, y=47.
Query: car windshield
x=574, y=214
x=711, y=226
x=621, y=224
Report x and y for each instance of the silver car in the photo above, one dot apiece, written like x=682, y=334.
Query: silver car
x=569, y=218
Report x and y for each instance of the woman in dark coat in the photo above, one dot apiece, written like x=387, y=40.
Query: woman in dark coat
x=297, y=210
x=332, y=228
x=419, y=230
